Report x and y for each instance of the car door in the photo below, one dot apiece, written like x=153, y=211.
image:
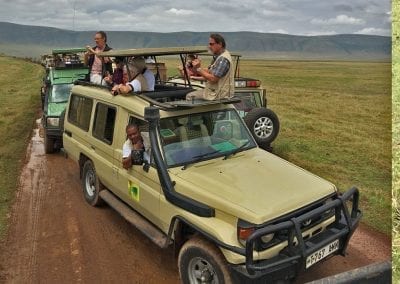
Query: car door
x=138, y=186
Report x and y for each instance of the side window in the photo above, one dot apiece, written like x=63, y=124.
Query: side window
x=144, y=131
x=104, y=121
x=80, y=111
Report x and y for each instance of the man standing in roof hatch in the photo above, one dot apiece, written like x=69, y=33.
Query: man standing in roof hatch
x=95, y=63
x=219, y=75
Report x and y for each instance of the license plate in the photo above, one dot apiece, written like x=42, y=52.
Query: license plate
x=322, y=253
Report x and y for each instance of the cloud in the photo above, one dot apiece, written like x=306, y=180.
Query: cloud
x=282, y=16
x=374, y=31
x=338, y=20
x=181, y=12
x=343, y=8
x=320, y=33
x=279, y=31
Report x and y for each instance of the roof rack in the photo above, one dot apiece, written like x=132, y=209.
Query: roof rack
x=68, y=50
x=167, y=99
x=154, y=51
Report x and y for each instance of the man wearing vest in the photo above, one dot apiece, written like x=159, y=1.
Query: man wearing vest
x=219, y=78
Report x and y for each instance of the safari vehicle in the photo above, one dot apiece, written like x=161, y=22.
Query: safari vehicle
x=231, y=211
x=262, y=121
x=55, y=93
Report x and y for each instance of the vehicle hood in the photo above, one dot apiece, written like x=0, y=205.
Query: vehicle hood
x=55, y=109
x=254, y=185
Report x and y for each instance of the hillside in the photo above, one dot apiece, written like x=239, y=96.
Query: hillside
x=32, y=41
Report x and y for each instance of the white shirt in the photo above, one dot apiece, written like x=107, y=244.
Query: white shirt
x=136, y=85
x=128, y=147
x=151, y=80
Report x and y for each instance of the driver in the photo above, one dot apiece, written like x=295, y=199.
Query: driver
x=134, y=142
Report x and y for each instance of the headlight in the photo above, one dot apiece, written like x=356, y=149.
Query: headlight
x=244, y=233
x=53, y=121
x=267, y=238
x=330, y=212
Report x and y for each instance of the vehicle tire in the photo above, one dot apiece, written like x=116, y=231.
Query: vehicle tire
x=264, y=126
x=199, y=261
x=48, y=143
x=91, y=185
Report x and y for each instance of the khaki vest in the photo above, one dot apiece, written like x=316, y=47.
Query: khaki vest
x=225, y=87
x=143, y=83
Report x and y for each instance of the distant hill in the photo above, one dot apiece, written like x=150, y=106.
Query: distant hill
x=32, y=41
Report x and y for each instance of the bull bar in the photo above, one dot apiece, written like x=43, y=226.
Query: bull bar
x=293, y=258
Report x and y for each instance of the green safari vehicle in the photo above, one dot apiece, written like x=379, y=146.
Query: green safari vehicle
x=55, y=92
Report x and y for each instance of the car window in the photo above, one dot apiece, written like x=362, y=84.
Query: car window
x=196, y=137
x=104, y=122
x=249, y=100
x=60, y=93
x=144, y=131
x=80, y=110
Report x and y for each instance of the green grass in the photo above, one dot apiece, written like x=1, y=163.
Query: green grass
x=396, y=142
x=19, y=101
x=335, y=122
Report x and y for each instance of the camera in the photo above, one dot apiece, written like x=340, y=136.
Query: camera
x=137, y=157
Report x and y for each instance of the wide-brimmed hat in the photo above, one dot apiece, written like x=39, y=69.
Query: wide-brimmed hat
x=138, y=62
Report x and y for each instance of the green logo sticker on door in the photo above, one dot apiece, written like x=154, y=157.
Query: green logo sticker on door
x=133, y=190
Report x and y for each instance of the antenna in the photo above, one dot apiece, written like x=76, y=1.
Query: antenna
x=73, y=18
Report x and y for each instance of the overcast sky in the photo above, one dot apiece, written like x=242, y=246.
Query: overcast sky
x=297, y=17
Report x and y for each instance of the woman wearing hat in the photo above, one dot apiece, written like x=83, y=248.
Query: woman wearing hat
x=135, y=69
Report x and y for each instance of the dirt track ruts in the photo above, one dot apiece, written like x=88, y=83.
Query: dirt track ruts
x=56, y=237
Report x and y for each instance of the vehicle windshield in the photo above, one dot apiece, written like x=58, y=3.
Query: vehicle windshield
x=202, y=136
x=60, y=93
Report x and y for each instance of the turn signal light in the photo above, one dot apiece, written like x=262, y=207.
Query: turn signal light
x=244, y=233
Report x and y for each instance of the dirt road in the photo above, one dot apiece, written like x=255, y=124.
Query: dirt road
x=56, y=237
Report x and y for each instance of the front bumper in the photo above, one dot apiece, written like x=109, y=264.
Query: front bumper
x=292, y=259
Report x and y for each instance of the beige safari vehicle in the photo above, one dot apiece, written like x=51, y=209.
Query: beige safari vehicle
x=233, y=212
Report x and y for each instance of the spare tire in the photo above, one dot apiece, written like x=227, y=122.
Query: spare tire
x=264, y=126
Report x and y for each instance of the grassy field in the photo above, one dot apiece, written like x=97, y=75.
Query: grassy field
x=19, y=101
x=335, y=122
x=396, y=141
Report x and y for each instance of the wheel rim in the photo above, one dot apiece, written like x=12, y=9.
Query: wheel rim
x=263, y=127
x=90, y=183
x=201, y=271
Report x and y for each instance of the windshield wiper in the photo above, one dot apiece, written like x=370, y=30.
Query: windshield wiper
x=198, y=158
x=234, y=151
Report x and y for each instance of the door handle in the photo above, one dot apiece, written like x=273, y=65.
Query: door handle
x=91, y=146
x=69, y=133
